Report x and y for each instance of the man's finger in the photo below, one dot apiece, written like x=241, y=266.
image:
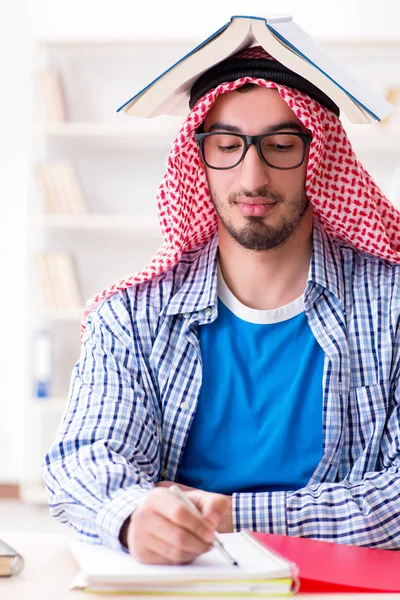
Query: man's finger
x=156, y=535
x=167, y=484
x=212, y=506
x=149, y=557
x=177, y=545
x=169, y=506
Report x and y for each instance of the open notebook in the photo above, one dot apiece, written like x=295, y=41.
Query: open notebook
x=260, y=571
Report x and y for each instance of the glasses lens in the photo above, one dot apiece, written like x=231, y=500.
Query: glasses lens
x=282, y=150
x=222, y=150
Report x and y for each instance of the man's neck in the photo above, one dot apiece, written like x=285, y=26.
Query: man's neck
x=268, y=279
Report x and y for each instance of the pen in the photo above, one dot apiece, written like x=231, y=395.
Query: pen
x=217, y=542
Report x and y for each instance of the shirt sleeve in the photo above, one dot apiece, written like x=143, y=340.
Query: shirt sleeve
x=363, y=513
x=106, y=456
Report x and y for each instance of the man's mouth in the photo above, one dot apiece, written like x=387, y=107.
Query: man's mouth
x=255, y=207
x=258, y=206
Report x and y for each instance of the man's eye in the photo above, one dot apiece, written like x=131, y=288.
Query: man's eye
x=230, y=148
x=281, y=147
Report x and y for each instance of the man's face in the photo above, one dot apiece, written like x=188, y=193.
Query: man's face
x=260, y=207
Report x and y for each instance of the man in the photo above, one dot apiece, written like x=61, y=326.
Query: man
x=256, y=360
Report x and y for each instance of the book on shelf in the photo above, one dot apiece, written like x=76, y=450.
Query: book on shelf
x=259, y=572
x=62, y=191
x=283, y=39
x=51, y=94
x=59, y=281
x=392, y=96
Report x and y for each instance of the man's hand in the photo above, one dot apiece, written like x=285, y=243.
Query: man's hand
x=164, y=531
x=225, y=524
x=167, y=484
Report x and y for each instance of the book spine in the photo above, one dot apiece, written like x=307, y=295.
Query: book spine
x=77, y=197
x=66, y=192
x=49, y=299
x=68, y=280
x=392, y=96
x=49, y=84
x=54, y=276
x=48, y=196
x=57, y=175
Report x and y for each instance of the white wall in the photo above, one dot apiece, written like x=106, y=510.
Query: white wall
x=341, y=18
x=24, y=21
x=14, y=138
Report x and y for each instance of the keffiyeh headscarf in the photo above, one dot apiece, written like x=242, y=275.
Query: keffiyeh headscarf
x=346, y=200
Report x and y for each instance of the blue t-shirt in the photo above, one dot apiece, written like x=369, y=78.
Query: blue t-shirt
x=258, y=422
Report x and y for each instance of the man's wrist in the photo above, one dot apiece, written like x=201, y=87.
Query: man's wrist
x=226, y=525
x=123, y=533
x=113, y=514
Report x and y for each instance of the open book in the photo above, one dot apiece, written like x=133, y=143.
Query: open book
x=260, y=571
x=289, y=44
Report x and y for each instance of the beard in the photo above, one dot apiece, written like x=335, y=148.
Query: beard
x=256, y=234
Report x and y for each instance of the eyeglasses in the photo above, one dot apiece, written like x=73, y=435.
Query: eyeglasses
x=281, y=150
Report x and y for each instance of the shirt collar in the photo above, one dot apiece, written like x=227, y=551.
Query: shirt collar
x=199, y=290
x=326, y=266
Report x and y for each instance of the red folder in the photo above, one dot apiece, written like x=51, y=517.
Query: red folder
x=329, y=567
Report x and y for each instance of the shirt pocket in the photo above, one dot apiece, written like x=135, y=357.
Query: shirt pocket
x=366, y=421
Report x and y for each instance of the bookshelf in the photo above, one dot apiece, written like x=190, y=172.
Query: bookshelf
x=93, y=203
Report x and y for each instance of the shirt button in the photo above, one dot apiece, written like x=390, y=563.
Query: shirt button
x=208, y=311
x=186, y=315
x=164, y=472
x=184, y=406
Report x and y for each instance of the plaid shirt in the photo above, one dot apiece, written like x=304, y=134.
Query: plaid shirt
x=134, y=392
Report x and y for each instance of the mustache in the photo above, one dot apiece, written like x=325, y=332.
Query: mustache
x=261, y=192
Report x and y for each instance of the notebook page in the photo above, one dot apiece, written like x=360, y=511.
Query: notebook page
x=100, y=564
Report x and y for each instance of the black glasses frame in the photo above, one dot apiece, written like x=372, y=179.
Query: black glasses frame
x=249, y=140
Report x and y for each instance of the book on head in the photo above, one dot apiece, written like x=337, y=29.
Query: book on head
x=285, y=41
x=260, y=571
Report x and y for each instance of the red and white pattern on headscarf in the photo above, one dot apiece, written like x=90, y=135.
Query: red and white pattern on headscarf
x=346, y=200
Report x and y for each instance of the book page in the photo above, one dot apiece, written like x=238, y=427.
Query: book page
x=305, y=45
x=102, y=565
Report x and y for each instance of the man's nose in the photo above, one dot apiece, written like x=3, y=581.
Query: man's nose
x=253, y=171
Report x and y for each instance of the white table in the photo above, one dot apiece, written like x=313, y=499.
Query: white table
x=50, y=569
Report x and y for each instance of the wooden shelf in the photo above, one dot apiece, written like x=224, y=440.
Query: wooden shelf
x=147, y=226
x=160, y=130
x=151, y=132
